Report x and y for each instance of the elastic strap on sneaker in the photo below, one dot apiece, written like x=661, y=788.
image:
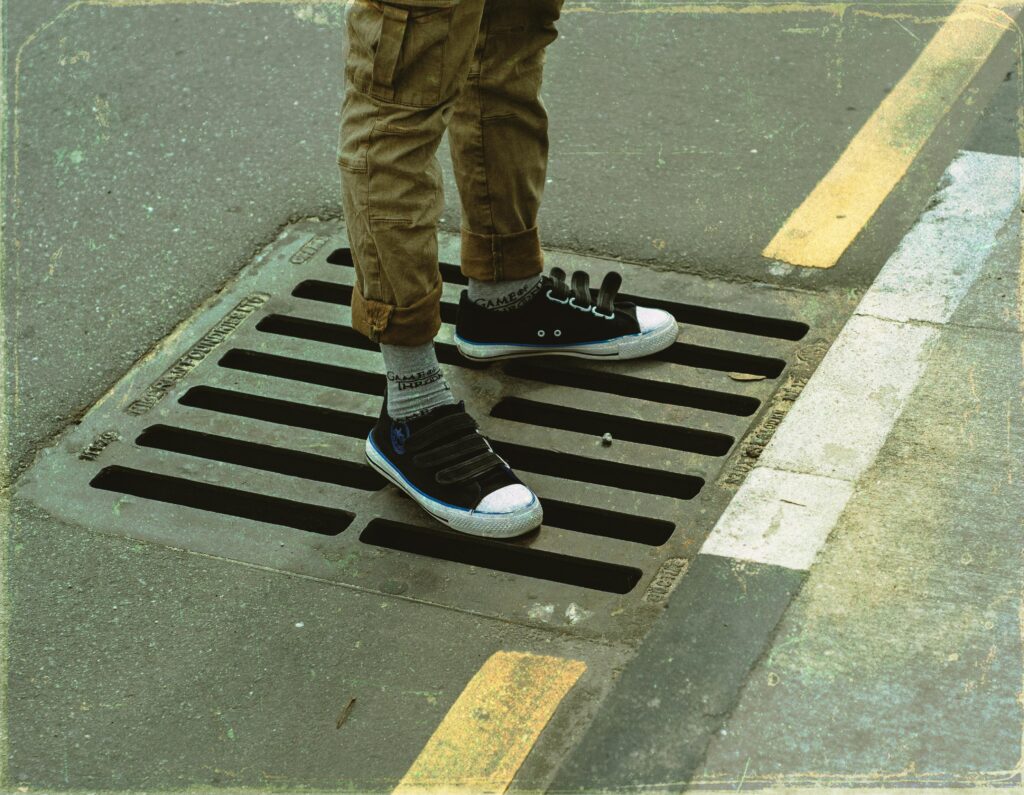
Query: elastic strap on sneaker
x=471, y=469
x=470, y=452
x=433, y=432
x=453, y=451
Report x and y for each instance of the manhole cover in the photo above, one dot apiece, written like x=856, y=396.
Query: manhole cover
x=242, y=437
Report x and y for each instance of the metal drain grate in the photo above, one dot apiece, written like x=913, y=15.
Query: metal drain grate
x=242, y=437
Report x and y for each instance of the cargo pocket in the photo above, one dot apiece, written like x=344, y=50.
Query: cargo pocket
x=397, y=50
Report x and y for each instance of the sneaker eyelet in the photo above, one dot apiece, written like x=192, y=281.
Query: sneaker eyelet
x=555, y=300
x=594, y=311
x=558, y=332
x=540, y=332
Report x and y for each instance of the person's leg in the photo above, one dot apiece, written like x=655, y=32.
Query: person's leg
x=405, y=64
x=499, y=144
x=499, y=141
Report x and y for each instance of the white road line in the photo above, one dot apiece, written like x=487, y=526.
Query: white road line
x=839, y=422
x=942, y=255
x=786, y=508
x=791, y=512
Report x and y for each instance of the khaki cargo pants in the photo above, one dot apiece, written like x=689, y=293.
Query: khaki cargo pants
x=412, y=70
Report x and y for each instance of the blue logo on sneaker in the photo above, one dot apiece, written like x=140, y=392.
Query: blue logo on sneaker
x=399, y=435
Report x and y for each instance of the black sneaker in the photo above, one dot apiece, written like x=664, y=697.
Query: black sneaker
x=566, y=321
x=440, y=460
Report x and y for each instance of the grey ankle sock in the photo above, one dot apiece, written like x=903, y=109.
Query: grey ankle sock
x=415, y=381
x=503, y=296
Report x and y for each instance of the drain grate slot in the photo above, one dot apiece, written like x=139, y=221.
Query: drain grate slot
x=605, y=523
x=692, y=314
x=337, y=334
x=326, y=292
x=307, y=372
x=341, y=294
x=341, y=256
x=304, y=329
x=633, y=387
x=604, y=473
x=675, y=437
x=724, y=319
x=281, y=412
x=220, y=499
x=261, y=456
x=530, y=459
x=716, y=359
x=501, y=556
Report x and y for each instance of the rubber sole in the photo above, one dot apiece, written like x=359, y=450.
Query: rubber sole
x=630, y=346
x=477, y=523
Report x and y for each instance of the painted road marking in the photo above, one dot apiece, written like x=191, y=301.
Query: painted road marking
x=779, y=518
x=824, y=226
x=491, y=727
x=910, y=286
x=849, y=406
x=784, y=511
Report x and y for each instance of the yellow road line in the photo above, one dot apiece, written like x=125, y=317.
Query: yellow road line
x=492, y=725
x=824, y=226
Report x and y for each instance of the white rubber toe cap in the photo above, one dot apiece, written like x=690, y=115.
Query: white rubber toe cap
x=508, y=499
x=653, y=319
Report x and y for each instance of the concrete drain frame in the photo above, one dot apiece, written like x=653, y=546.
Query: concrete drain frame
x=241, y=436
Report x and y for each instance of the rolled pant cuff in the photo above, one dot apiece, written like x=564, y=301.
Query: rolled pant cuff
x=415, y=324
x=494, y=258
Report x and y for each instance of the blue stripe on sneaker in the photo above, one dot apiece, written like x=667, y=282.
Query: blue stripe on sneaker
x=549, y=345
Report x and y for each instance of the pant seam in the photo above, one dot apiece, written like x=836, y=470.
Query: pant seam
x=495, y=251
x=378, y=265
